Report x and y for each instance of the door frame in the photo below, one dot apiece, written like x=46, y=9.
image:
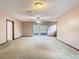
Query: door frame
x=12, y=29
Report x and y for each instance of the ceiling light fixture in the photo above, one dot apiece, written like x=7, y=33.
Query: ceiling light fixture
x=38, y=21
x=38, y=4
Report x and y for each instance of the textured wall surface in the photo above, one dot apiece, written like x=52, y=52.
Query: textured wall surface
x=68, y=28
x=17, y=27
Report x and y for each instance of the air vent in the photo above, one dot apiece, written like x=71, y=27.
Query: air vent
x=29, y=11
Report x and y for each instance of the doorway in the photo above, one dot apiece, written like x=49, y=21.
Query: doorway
x=10, y=30
x=40, y=30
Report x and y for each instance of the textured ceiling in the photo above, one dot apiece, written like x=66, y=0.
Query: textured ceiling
x=23, y=9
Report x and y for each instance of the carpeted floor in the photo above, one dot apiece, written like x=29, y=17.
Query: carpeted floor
x=37, y=48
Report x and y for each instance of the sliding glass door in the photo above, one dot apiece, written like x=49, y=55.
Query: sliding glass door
x=40, y=29
x=36, y=30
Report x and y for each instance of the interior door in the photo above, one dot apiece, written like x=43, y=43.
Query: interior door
x=10, y=30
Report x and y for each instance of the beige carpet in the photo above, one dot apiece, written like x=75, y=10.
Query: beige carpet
x=37, y=48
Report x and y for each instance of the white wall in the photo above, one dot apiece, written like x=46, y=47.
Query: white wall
x=2, y=30
x=17, y=29
x=68, y=28
x=27, y=29
x=17, y=26
x=52, y=30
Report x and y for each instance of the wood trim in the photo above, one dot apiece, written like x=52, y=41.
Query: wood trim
x=7, y=40
x=68, y=45
x=12, y=29
x=26, y=36
x=18, y=37
x=3, y=43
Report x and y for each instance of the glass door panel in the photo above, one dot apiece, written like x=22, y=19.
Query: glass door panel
x=35, y=29
x=43, y=30
x=40, y=29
